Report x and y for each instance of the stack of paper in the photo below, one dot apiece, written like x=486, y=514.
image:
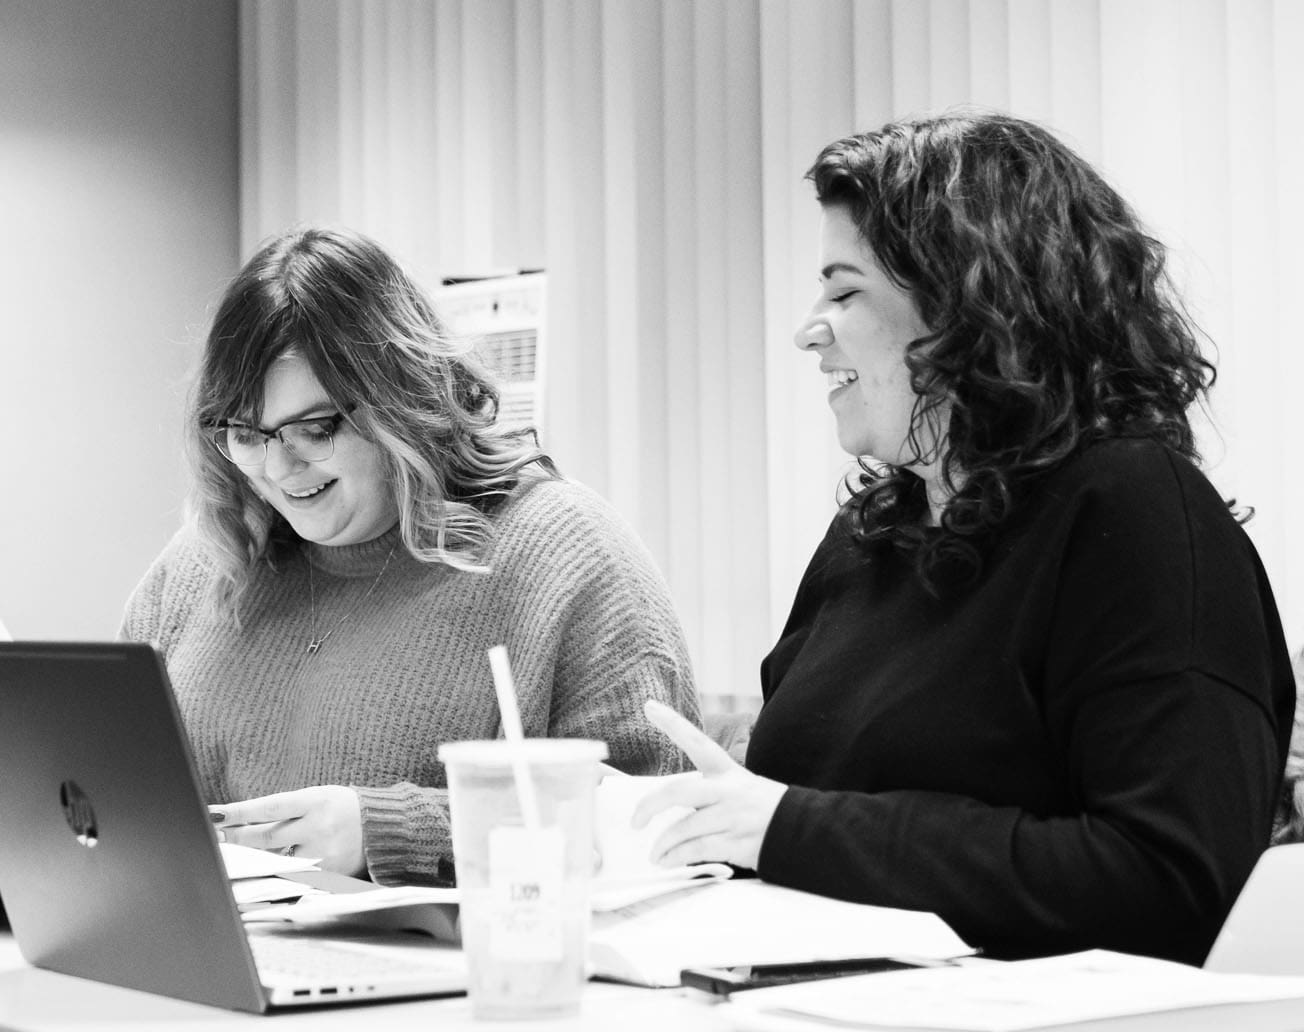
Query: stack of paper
x=256, y=874
x=649, y=923
x=626, y=873
x=1096, y=990
x=430, y=910
x=752, y=922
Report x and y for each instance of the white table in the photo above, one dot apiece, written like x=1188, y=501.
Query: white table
x=32, y=1000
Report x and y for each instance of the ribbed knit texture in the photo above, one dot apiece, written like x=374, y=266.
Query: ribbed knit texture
x=574, y=596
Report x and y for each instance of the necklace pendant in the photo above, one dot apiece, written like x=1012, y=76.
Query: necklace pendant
x=314, y=642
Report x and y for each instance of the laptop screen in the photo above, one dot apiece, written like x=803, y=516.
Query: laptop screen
x=1261, y=934
x=114, y=872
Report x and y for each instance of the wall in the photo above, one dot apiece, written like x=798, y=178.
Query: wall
x=650, y=156
x=616, y=145
x=119, y=179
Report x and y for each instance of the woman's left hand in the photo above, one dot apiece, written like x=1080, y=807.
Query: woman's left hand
x=323, y=822
x=732, y=807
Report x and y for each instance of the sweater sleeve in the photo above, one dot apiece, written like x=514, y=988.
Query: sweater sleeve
x=406, y=835
x=173, y=586
x=612, y=710
x=618, y=639
x=1161, y=702
x=142, y=617
x=592, y=634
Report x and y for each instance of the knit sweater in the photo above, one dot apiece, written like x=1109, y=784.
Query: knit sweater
x=573, y=595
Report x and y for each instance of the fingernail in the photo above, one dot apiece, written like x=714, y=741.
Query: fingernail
x=217, y=816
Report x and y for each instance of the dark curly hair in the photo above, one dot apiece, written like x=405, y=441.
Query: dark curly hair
x=1053, y=321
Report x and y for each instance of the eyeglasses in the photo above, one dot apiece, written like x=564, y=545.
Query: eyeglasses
x=311, y=440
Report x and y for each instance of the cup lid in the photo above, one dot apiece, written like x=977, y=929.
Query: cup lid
x=498, y=752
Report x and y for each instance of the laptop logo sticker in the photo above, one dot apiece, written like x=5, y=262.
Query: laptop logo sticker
x=78, y=813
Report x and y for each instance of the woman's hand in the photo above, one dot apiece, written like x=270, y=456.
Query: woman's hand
x=731, y=806
x=324, y=822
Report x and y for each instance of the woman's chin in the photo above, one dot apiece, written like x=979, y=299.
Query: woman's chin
x=318, y=532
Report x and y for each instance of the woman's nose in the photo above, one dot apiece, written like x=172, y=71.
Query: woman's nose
x=813, y=333
x=280, y=460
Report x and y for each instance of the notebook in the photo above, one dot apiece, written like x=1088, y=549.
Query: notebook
x=109, y=864
x=1264, y=932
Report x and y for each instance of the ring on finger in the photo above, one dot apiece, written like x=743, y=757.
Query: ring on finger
x=288, y=850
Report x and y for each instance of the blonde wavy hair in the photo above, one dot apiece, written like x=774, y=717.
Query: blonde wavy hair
x=372, y=338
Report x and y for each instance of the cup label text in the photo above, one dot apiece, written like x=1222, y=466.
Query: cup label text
x=525, y=892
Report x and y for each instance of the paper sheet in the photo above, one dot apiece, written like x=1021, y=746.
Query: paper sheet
x=433, y=910
x=747, y=921
x=244, y=862
x=1012, y=997
x=268, y=890
x=626, y=873
x=327, y=905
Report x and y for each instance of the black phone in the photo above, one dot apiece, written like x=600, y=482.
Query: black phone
x=721, y=981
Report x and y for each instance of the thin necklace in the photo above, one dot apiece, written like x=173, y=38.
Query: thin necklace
x=315, y=642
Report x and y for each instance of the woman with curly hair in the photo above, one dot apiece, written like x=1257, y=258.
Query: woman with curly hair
x=1033, y=679
x=363, y=530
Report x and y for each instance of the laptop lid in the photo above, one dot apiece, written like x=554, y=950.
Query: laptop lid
x=1262, y=934
x=109, y=863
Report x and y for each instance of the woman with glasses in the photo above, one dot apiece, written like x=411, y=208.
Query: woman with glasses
x=1033, y=679
x=364, y=530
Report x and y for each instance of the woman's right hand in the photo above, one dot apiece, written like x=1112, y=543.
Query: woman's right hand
x=732, y=807
x=323, y=822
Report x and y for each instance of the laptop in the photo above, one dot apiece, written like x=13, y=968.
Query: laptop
x=1264, y=932
x=109, y=864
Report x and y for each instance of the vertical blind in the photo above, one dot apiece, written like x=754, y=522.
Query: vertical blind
x=649, y=155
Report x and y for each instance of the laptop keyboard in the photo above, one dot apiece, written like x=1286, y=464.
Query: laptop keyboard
x=282, y=958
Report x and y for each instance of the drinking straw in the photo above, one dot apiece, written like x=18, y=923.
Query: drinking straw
x=511, y=715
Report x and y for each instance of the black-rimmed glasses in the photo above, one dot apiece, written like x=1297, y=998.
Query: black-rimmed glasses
x=311, y=440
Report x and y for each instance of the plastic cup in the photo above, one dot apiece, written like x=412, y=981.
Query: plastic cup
x=525, y=891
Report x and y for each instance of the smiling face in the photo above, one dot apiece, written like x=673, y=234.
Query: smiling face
x=342, y=500
x=860, y=326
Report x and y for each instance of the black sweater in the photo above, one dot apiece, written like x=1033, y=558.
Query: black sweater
x=1082, y=751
